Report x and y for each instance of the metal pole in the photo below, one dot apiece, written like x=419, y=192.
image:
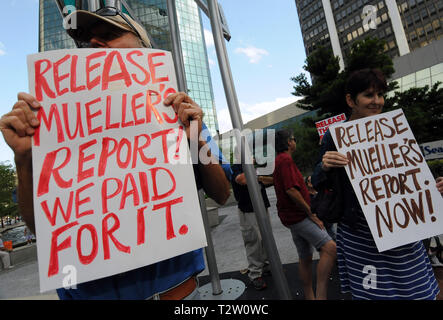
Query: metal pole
x=202, y=5
x=251, y=178
x=181, y=81
x=209, y=250
x=176, y=46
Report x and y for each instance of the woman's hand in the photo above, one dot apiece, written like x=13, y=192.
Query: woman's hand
x=439, y=181
x=333, y=159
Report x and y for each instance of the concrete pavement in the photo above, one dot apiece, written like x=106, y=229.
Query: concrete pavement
x=22, y=282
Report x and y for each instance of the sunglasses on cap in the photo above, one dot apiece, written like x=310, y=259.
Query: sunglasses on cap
x=109, y=11
x=104, y=30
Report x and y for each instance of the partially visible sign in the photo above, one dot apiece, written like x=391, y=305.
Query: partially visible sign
x=432, y=150
x=391, y=179
x=323, y=125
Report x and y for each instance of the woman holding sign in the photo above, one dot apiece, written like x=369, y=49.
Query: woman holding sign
x=366, y=273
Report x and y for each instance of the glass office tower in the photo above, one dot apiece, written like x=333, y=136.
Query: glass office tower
x=153, y=15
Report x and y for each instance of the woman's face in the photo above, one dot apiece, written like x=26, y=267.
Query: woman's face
x=367, y=103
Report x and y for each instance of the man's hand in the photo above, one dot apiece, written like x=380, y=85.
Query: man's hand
x=18, y=125
x=241, y=179
x=317, y=221
x=214, y=181
x=266, y=180
x=187, y=111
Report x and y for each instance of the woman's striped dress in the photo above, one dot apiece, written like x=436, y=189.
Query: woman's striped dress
x=401, y=273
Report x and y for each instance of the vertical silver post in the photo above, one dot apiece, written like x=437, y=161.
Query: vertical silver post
x=251, y=178
x=176, y=46
x=209, y=250
x=181, y=81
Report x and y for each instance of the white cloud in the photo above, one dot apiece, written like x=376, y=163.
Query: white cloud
x=209, y=39
x=254, y=54
x=252, y=111
x=2, y=49
x=224, y=120
x=211, y=62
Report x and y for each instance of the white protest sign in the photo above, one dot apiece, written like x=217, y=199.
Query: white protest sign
x=114, y=188
x=323, y=125
x=391, y=179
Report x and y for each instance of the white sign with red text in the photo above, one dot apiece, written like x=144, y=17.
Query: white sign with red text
x=114, y=188
x=391, y=179
x=323, y=125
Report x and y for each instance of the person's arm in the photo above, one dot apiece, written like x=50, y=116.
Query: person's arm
x=25, y=191
x=266, y=180
x=213, y=178
x=18, y=126
x=300, y=202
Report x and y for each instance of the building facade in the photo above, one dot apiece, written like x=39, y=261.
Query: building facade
x=153, y=15
x=405, y=25
x=421, y=67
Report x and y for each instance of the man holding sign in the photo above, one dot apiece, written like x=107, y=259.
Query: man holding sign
x=368, y=267
x=171, y=278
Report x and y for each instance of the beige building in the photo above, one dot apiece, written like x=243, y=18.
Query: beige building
x=258, y=128
x=275, y=117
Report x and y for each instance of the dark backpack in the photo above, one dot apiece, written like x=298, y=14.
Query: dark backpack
x=328, y=203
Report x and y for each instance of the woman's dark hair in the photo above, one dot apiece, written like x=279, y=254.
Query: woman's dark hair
x=281, y=140
x=363, y=79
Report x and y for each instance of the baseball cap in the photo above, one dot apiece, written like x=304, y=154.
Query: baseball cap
x=82, y=21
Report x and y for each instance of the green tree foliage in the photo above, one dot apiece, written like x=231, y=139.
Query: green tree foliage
x=436, y=167
x=326, y=93
x=423, y=107
x=7, y=186
x=307, y=144
x=369, y=53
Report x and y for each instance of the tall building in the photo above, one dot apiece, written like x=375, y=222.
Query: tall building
x=153, y=15
x=405, y=25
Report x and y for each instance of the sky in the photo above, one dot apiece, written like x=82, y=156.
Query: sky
x=265, y=51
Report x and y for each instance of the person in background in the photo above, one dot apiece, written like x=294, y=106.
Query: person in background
x=311, y=190
x=330, y=227
x=258, y=264
x=171, y=279
x=400, y=273
x=293, y=205
x=28, y=235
